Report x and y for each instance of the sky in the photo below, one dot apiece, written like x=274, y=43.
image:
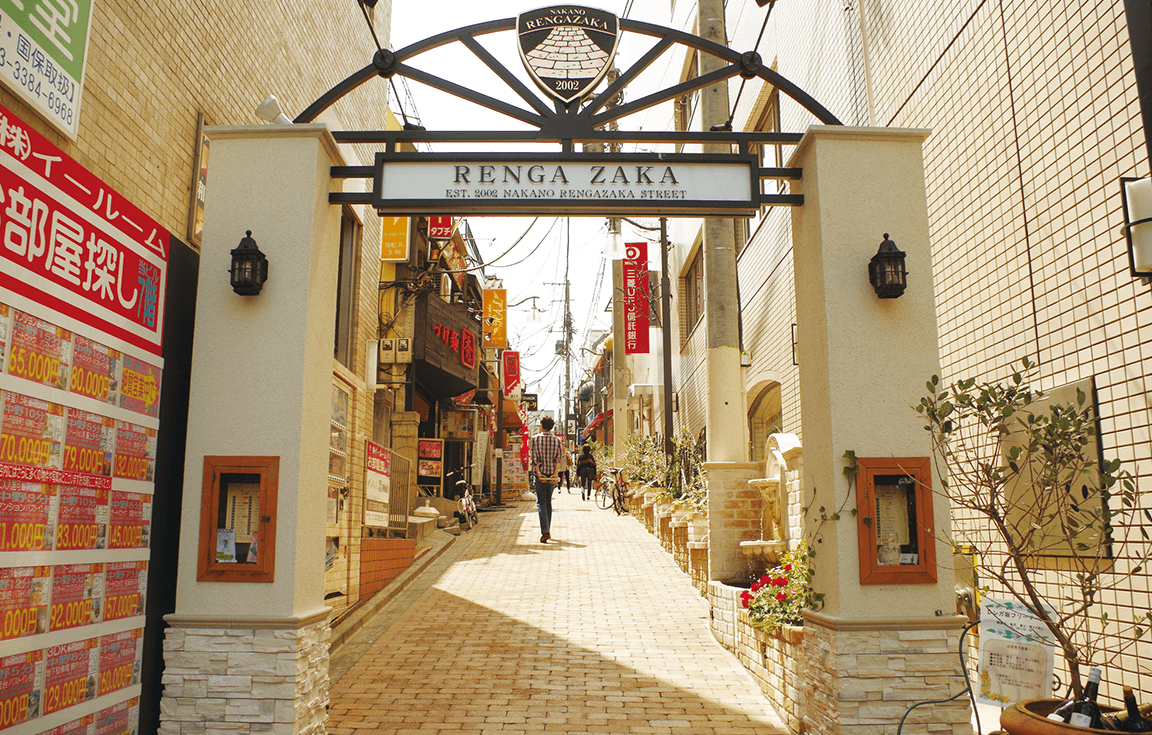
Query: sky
x=537, y=262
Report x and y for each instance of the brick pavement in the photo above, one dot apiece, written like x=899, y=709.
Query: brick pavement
x=596, y=632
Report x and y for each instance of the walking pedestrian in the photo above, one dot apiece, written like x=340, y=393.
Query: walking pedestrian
x=566, y=471
x=586, y=472
x=545, y=452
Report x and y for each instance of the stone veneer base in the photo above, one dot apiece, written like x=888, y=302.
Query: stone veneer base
x=245, y=675
x=861, y=675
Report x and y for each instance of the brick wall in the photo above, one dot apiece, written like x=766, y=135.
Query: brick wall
x=381, y=561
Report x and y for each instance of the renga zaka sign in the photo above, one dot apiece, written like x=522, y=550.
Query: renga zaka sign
x=674, y=184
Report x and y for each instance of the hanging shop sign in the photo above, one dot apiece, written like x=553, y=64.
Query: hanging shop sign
x=446, y=347
x=599, y=184
x=439, y=228
x=394, y=239
x=495, y=318
x=82, y=280
x=44, y=51
x=511, y=372
x=636, y=308
x=457, y=263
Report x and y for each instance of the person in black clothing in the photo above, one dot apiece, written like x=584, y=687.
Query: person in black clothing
x=586, y=472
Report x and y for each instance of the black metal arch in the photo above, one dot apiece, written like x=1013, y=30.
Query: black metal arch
x=564, y=123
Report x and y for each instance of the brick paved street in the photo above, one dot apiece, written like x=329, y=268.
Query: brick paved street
x=596, y=632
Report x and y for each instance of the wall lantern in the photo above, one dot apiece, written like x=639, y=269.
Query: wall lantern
x=1137, y=195
x=249, y=267
x=886, y=270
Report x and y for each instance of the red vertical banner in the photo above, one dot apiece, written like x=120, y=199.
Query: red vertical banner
x=635, y=298
x=511, y=372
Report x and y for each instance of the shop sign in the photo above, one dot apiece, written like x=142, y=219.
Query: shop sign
x=43, y=50
x=530, y=401
x=457, y=263
x=635, y=267
x=377, y=485
x=599, y=184
x=394, y=239
x=460, y=341
x=495, y=317
x=439, y=228
x=511, y=372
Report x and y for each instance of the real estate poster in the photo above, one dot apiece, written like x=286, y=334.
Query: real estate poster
x=70, y=674
x=119, y=661
x=24, y=601
x=21, y=686
x=81, y=325
x=27, y=515
x=119, y=719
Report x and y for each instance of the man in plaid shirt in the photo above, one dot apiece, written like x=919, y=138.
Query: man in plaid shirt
x=544, y=453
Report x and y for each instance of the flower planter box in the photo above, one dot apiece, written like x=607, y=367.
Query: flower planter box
x=774, y=660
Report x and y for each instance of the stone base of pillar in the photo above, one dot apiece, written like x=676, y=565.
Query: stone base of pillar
x=861, y=675
x=245, y=675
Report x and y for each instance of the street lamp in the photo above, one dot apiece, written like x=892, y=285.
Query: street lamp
x=249, y=267
x=886, y=270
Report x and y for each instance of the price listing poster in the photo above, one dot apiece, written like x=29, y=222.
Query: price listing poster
x=21, y=686
x=82, y=286
x=24, y=601
x=70, y=674
x=27, y=515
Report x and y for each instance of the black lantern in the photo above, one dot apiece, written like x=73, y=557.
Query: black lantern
x=249, y=267
x=886, y=270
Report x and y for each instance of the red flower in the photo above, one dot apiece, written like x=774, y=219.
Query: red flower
x=781, y=596
x=780, y=582
x=787, y=567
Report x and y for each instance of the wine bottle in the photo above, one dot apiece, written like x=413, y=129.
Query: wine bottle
x=1133, y=718
x=1085, y=711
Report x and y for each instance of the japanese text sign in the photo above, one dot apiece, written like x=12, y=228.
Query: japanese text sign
x=511, y=372
x=43, y=48
x=439, y=228
x=495, y=318
x=636, y=298
x=460, y=341
x=69, y=241
x=394, y=239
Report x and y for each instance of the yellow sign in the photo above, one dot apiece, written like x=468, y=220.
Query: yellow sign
x=496, y=318
x=394, y=239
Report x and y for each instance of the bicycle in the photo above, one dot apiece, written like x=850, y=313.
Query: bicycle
x=610, y=494
x=465, y=505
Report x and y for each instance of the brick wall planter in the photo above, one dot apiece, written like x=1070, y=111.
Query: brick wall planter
x=776, y=663
x=680, y=544
x=382, y=560
x=664, y=531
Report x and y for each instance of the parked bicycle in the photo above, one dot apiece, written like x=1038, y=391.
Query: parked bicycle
x=612, y=491
x=465, y=504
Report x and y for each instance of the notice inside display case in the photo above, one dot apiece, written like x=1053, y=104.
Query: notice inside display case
x=894, y=520
x=237, y=537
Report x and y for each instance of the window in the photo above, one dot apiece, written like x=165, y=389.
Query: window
x=238, y=519
x=347, y=281
x=693, y=292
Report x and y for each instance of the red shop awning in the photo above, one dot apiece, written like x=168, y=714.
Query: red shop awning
x=596, y=422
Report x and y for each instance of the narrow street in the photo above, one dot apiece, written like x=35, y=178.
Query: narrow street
x=596, y=632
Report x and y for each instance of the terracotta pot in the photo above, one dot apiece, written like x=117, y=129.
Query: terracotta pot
x=1031, y=718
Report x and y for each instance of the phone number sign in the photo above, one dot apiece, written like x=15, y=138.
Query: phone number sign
x=42, y=55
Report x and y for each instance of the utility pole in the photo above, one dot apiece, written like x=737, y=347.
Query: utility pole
x=567, y=334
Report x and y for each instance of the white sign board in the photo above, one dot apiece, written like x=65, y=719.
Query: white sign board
x=1016, y=655
x=591, y=184
x=42, y=56
x=377, y=485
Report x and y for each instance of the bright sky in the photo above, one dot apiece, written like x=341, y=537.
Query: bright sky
x=537, y=265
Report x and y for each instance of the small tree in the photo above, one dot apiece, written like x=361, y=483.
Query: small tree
x=1027, y=491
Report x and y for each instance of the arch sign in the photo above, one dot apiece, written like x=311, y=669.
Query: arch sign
x=568, y=51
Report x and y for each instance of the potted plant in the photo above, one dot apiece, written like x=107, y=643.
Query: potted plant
x=777, y=600
x=1049, y=520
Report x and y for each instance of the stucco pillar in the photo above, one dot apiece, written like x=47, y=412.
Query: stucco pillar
x=873, y=649
x=253, y=656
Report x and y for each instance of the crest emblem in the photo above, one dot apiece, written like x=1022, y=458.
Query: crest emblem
x=567, y=49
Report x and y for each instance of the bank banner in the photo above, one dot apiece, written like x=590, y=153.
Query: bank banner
x=70, y=242
x=636, y=308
